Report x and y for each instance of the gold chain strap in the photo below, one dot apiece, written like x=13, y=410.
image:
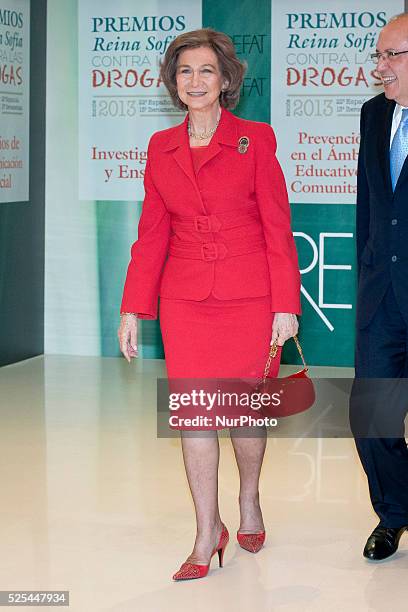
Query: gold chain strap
x=272, y=354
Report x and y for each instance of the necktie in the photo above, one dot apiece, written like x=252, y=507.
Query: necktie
x=399, y=148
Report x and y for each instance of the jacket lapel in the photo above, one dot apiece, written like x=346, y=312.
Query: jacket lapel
x=226, y=134
x=179, y=146
x=384, y=135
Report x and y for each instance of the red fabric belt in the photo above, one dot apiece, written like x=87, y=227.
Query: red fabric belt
x=215, y=223
x=210, y=251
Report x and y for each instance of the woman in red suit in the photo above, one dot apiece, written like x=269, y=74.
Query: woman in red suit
x=215, y=244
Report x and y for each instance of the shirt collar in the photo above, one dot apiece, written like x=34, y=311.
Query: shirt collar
x=398, y=110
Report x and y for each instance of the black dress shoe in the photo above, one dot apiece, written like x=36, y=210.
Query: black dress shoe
x=383, y=542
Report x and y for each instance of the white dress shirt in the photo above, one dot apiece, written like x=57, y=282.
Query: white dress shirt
x=396, y=120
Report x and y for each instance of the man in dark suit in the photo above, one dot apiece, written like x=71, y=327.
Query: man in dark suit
x=382, y=301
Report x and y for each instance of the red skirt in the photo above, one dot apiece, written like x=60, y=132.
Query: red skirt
x=216, y=339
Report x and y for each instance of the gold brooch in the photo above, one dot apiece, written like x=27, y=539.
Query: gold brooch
x=243, y=144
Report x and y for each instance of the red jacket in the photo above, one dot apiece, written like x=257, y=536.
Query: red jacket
x=226, y=230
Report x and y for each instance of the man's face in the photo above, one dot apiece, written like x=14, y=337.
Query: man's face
x=394, y=71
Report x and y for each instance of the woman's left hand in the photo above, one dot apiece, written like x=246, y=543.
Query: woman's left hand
x=285, y=325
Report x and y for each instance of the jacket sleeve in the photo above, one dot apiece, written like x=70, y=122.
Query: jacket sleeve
x=148, y=253
x=363, y=206
x=273, y=204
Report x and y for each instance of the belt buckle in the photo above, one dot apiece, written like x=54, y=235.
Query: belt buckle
x=202, y=223
x=209, y=251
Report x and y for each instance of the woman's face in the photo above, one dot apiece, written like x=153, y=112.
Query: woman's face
x=198, y=77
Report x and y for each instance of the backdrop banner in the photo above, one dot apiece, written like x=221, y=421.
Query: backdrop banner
x=121, y=98
x=323, y=73
x=14, y=99
x=309, y=72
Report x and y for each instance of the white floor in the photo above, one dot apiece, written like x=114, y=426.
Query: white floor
x=94, y=503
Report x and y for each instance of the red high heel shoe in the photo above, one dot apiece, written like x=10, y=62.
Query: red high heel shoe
x=189, y=571
x=252, y=542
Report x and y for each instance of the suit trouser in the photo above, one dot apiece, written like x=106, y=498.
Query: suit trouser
x=381, y=352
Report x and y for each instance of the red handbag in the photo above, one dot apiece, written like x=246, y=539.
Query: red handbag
x=296, y=391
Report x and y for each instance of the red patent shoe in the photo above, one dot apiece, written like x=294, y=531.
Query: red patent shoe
x=252, y=542
x=189, y=571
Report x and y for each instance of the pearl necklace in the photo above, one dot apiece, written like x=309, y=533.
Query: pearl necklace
x=203, y=135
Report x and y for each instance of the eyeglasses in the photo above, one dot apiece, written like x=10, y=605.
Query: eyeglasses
x=387, y=55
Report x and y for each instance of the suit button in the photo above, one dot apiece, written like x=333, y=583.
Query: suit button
x=394, y=222
x=394, y=258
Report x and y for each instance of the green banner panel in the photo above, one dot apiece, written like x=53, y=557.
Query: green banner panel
x=326, y=246
x=249, y=27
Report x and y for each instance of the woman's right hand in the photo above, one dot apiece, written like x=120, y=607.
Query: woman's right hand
x=127, y=335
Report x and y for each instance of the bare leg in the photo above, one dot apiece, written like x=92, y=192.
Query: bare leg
x=201, y=457
x=249, y=453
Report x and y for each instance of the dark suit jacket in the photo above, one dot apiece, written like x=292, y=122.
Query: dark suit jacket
x=382, y=216
x=225, y=230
